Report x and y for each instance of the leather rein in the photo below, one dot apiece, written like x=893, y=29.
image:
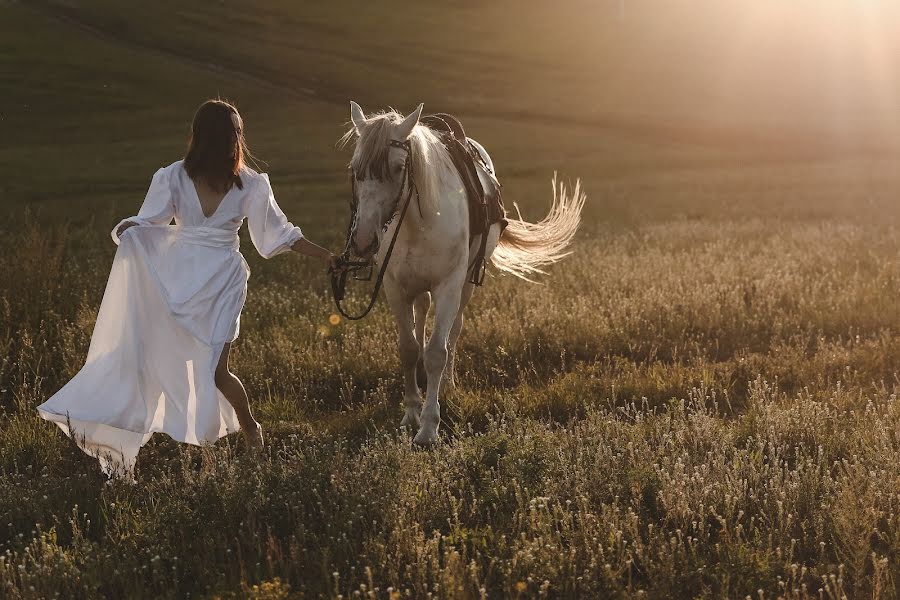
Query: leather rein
x=346, y=266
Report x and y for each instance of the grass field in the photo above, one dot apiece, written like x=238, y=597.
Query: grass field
x=700, y=402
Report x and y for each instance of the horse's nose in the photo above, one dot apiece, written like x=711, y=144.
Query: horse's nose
x=368, y=251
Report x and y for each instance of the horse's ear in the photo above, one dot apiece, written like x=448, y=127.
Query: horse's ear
x=405, y=129
x=357, y=116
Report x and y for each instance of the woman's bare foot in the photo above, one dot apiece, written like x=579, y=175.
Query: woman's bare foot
x=254, y=436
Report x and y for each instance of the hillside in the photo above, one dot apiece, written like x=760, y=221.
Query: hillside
x=653, y=108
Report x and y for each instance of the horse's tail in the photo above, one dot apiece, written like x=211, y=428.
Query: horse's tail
x=525, y=248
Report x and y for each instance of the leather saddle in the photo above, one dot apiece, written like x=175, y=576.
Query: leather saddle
x=485, y=205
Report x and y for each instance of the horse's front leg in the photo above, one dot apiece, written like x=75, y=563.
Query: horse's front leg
x=450, y=376
x=402, y=307
x=446, y=298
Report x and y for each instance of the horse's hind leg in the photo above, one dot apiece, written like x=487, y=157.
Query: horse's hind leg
x=454, y=335
x=446, y=301
x=468, y=290
x=402, y=307
x=423, y=303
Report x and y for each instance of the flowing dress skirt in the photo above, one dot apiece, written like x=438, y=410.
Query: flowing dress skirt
x=173, y=300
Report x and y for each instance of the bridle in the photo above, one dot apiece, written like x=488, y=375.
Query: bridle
x=345, y=265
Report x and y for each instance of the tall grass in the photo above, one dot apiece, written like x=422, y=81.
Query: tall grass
x=680, y=410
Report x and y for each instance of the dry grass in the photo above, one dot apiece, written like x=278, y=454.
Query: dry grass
x=684, y=410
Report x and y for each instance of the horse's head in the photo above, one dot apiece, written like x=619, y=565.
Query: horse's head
x=378, y=172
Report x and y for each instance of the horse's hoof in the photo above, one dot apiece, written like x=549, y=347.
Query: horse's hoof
x=425, y=441
x=410, y=422
x=420, y=447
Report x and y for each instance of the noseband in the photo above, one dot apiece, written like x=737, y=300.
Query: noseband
x=345, y=265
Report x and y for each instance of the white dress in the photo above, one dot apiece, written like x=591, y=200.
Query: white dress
x=173, y=300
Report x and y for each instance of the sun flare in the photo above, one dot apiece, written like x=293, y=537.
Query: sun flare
x=829, y=68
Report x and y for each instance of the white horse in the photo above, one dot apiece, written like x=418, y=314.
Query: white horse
x=432, y=255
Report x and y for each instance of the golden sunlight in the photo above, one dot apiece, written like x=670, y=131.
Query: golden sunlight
x=842, y=56
x=828, y=70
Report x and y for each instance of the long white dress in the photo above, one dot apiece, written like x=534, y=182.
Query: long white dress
x=173, y=300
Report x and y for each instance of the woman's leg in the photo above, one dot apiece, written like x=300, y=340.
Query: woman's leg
x=233, y=390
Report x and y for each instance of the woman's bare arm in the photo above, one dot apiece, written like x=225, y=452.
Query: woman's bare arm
x=124, y=226
x=307, y=248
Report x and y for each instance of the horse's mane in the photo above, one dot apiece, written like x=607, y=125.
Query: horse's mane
x=431, y=163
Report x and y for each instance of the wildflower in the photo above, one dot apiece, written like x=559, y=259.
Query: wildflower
x=521, y=586
x=334, y=319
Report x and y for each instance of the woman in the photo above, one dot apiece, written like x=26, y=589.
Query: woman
x=158, y=359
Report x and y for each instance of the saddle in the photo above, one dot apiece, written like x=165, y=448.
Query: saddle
x=485, y=205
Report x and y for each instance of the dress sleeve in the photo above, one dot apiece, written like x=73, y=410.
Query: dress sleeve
x=158, y=207
x=270, y=230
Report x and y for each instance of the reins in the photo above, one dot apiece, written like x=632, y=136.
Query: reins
x=346, y=266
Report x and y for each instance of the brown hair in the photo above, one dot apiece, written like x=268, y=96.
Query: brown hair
x=216, y=148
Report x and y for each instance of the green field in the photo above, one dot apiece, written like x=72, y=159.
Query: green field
x=700, y=402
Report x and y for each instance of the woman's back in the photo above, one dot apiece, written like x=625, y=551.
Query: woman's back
x=173, y=194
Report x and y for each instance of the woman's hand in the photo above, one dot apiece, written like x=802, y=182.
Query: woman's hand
x=333, y=262
x=123, y=227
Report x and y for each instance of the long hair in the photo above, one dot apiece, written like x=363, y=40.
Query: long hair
x=217, y=149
